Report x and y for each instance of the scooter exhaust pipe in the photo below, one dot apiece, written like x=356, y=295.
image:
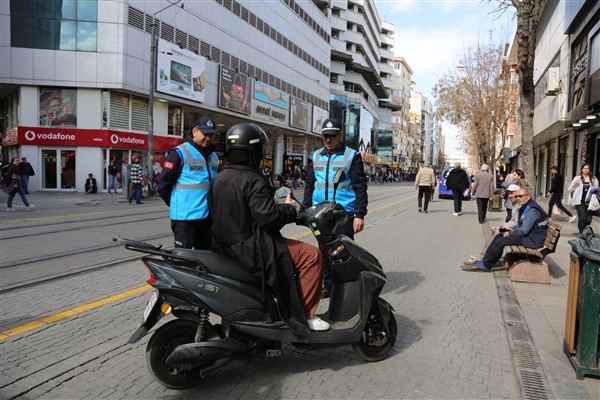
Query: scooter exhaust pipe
x=201, y=354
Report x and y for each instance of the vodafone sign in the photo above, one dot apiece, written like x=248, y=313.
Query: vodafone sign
x=57, y=136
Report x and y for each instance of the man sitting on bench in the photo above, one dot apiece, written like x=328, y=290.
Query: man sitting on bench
x=530, y=232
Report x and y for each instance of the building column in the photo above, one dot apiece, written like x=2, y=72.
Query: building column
x=278, y=152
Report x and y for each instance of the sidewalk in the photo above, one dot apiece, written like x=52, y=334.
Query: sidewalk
x=544, y=308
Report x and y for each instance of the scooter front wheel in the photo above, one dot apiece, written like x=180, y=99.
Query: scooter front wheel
x=161, y=345
x=378, y=338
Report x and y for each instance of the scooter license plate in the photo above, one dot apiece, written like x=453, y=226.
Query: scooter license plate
x=150, y=305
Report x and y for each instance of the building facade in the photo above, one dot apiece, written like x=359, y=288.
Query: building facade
x=77, y=77
x=567, y=92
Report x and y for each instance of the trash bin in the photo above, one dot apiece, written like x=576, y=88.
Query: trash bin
x=495, y=203
x=582, y=327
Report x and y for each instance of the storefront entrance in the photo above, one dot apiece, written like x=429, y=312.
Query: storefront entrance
x=58, y=169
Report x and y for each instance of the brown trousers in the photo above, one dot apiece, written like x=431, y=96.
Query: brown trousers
x=308, y=264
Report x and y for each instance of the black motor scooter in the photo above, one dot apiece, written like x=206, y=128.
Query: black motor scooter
x=192, y=284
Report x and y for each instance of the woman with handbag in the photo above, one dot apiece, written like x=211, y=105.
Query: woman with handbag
x=579, y=187
x=15, y=185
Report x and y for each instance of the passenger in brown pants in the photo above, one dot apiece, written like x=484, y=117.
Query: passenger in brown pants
x=308, y=262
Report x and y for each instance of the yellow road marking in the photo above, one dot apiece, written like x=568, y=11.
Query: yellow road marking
x=95, y=304
x=68, y=313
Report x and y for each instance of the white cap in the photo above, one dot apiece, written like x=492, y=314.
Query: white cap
x=513, y=188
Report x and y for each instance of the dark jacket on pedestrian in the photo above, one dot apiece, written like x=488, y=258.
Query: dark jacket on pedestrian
x=26, y=168
x=557, y=185
x=458, y=180
x=14, y=175
x=246, y=227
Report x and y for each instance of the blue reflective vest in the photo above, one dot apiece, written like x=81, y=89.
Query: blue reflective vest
x=189, y=196
x=325, y=167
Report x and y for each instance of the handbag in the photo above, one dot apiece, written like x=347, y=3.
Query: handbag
x=10, y=188
x=556, y=210
x=594, y=204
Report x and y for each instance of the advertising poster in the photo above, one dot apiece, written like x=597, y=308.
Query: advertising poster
x=299, y=113
x=235, y=90
x=318, y=117
x=58, y=107
x=180, y=72
x=270, y=104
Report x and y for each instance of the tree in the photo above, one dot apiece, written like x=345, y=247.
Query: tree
x=477, y=97
x=528, y=17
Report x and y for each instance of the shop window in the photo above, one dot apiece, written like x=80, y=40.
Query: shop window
x=174, y=122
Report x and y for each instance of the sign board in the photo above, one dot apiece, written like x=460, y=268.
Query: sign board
x=180, y=72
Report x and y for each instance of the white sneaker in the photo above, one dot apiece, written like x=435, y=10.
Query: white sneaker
x=317, y=324
x=29, y=207
x=455, y=214
x=572, y=219
x=460, y=213
x=10, y=209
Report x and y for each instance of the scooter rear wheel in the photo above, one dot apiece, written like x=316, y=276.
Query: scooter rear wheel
x=161, y=345
x=378, y=338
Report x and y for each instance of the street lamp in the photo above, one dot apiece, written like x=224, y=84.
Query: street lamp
x=153, y=48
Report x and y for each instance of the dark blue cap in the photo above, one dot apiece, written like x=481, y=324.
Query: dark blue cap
x=331, y=127
x=205, y=125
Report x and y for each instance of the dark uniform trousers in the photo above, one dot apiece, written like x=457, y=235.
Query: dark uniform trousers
x=196, y=234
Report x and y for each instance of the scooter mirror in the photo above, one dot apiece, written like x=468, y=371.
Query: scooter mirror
x=340, y=176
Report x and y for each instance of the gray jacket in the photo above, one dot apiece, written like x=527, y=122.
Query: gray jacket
x=483, y=186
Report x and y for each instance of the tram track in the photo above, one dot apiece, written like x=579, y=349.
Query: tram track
x=34, y=271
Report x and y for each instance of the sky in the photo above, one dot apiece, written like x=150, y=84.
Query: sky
x=432, y=35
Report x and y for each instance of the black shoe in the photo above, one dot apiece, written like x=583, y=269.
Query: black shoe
x=419, y=210
x=129, y=201
x=325, y=294
x=425, y=211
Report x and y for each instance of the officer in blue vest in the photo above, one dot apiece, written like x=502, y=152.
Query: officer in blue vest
x=352, y=193
x=183, y=185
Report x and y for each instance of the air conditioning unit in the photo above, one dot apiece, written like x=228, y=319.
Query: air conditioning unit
x=552, y=82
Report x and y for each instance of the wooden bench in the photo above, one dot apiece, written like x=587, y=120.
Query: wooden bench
x=527, y=265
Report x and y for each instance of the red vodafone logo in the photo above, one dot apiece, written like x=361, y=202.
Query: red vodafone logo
x=114, y=138
x=30, y=135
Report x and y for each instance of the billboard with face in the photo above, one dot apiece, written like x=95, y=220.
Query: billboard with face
x=235, y=90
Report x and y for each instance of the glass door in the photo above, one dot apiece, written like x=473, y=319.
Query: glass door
x=58, y=169
x=49, y=170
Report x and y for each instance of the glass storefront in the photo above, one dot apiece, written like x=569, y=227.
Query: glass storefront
x=58, y=169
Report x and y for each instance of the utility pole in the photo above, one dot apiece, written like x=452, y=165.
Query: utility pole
x=153, y=59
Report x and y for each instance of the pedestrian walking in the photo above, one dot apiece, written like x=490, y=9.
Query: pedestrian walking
x=579, y=187
x=556, y=193
x=483, y=190
x=424, y=183
x=112, y=177
x=351, y=193
x=27, y=172
x=14, y=185
x=183, y=185
x=457, y=181
x=135, y=176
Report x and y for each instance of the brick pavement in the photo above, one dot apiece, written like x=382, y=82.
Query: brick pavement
x=451, y=342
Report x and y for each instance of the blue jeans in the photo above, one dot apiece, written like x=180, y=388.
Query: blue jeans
x=136, y=190
x=11, y=196
x=112, y=183
x=25, y=182
x=457, y=197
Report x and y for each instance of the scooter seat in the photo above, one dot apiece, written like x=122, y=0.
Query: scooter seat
x=218, y=264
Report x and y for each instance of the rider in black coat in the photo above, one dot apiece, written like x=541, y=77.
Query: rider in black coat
x=246, y=227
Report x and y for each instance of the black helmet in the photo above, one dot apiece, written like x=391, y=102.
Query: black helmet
x=248, y=137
